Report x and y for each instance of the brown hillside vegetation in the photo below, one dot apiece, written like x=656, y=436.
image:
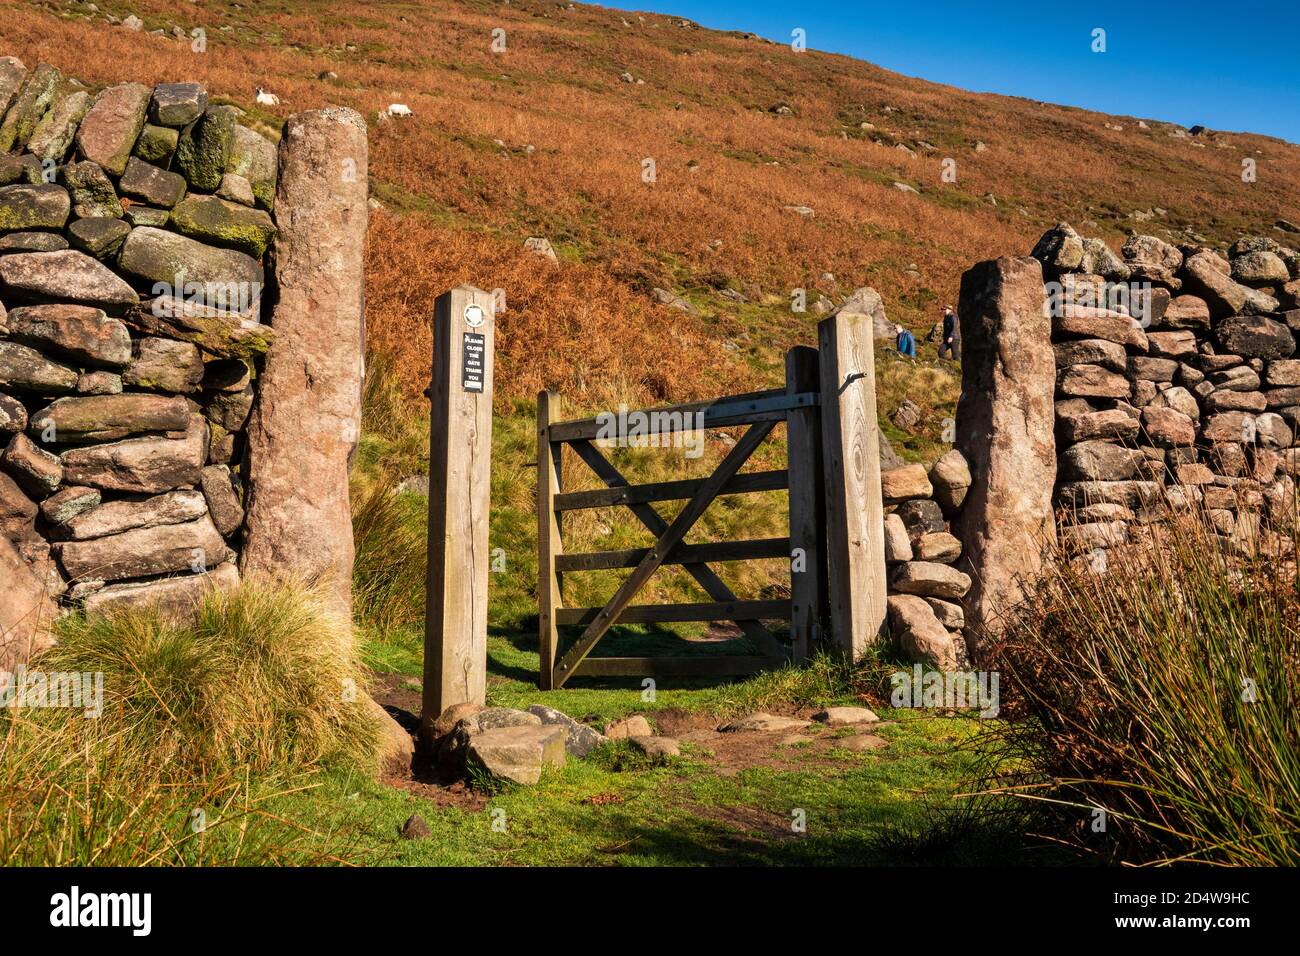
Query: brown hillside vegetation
x=547, y=139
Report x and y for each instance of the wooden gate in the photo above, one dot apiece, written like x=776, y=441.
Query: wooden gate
x=797, y=406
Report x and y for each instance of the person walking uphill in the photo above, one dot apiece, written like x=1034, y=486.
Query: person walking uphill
x=905, y=342
x=949, y=340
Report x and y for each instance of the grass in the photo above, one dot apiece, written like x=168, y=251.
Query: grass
x=204, y=726
x=1160, y=697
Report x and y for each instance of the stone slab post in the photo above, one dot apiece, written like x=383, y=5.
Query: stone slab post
x=1005, y=420
x=26, y=611
x=307, y=420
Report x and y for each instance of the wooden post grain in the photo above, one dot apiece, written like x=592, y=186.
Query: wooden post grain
x=807, y=503
x=460, y=451
x=855, y=539
x=549, y=544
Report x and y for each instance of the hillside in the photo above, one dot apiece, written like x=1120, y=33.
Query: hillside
x=547, y=139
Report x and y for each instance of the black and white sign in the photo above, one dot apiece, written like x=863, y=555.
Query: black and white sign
x=472, y=362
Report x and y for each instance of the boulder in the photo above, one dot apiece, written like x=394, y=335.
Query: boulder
x=1259, y=268
x=101, y=238
x=1099, y=461
x=13, y=415
x=1130, y=494
x=1093, y=381
x=26, y=370
x=1167, y=428
x=70, y=276
x=165, y=365
x=99, y=383
x=37, y=471
x=657, y=747
x=141, y=552
x=840, y=716
x=237, y=189
x=1235, y=401
x=921, y=516
x=215, y=221
x=1080, y=322
x=1099, y=259
x=861, y=743
x=253, y=157
x=1152, y=259
x=306, y=423
x=950, y=615
x=214, y=276
x=99, y=418
x=1109, y=355
x=204, y=148
x=17, y=511
x=1180, y=400
x=634, y=726
x=157, y=145
x=1172, y=345
x=1204, y=276
x=79, y=333
x=32, y=99
x=897, y=545
x=1283, y=373
x=579, y=740
x=177, y=104
x=141, y=465
x=32, y=242
x=115, y=517
x=12, y=72
x=1254, y=336
x=1236, y=378
x=45, y=206
x=1186, y=312
x=867, y=301
x=222, y=499
x=929, y=579
x=1083, y=538
x=951, y=479
x=517, y=754
x=907, y=481
x=1112, y=423
x=173, y=598
x=230, y=410
x=763, y=723
x=1060, y=249
x=110, y=129
x=938, y=546
x=215, y=330
x=54, y=133
x=148, y=183
x=92, y=192
x=919, y=634
x=67, y=503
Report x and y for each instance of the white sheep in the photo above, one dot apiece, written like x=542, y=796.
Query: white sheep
x=399, y=109
x=267, y=99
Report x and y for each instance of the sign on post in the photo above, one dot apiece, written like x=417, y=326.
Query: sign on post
x=855, y=518
x=460, y=454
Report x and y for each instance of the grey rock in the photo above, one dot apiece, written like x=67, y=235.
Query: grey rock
x=580, y=739
x=68, y=276
x=116, y=517
x=93, y=195
x=165, y=365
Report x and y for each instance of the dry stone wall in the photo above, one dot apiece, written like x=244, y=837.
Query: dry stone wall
x=134, y=227
x=1178, y=384
x=926, y=592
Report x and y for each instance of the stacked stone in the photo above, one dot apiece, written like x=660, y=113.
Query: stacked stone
x=925, y=590
x=133, y=227
x=1176, y=383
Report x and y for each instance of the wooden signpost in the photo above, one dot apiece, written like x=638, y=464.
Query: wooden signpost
x=855, y=538
x=460, y=453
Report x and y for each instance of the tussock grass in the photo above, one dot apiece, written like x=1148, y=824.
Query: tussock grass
x=203, y=724
x=1163, y=693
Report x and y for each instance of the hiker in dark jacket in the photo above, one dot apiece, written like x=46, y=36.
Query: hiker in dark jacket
x=949, y=341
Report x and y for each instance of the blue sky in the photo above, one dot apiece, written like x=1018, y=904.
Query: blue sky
x=1226, y=65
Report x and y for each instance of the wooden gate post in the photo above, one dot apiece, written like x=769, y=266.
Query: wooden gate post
x=807, y=504
x=460, y=454
x=549, y=542
x=855, y=522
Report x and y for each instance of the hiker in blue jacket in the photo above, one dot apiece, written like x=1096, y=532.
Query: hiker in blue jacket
x=906, y=342
x=949, y=340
